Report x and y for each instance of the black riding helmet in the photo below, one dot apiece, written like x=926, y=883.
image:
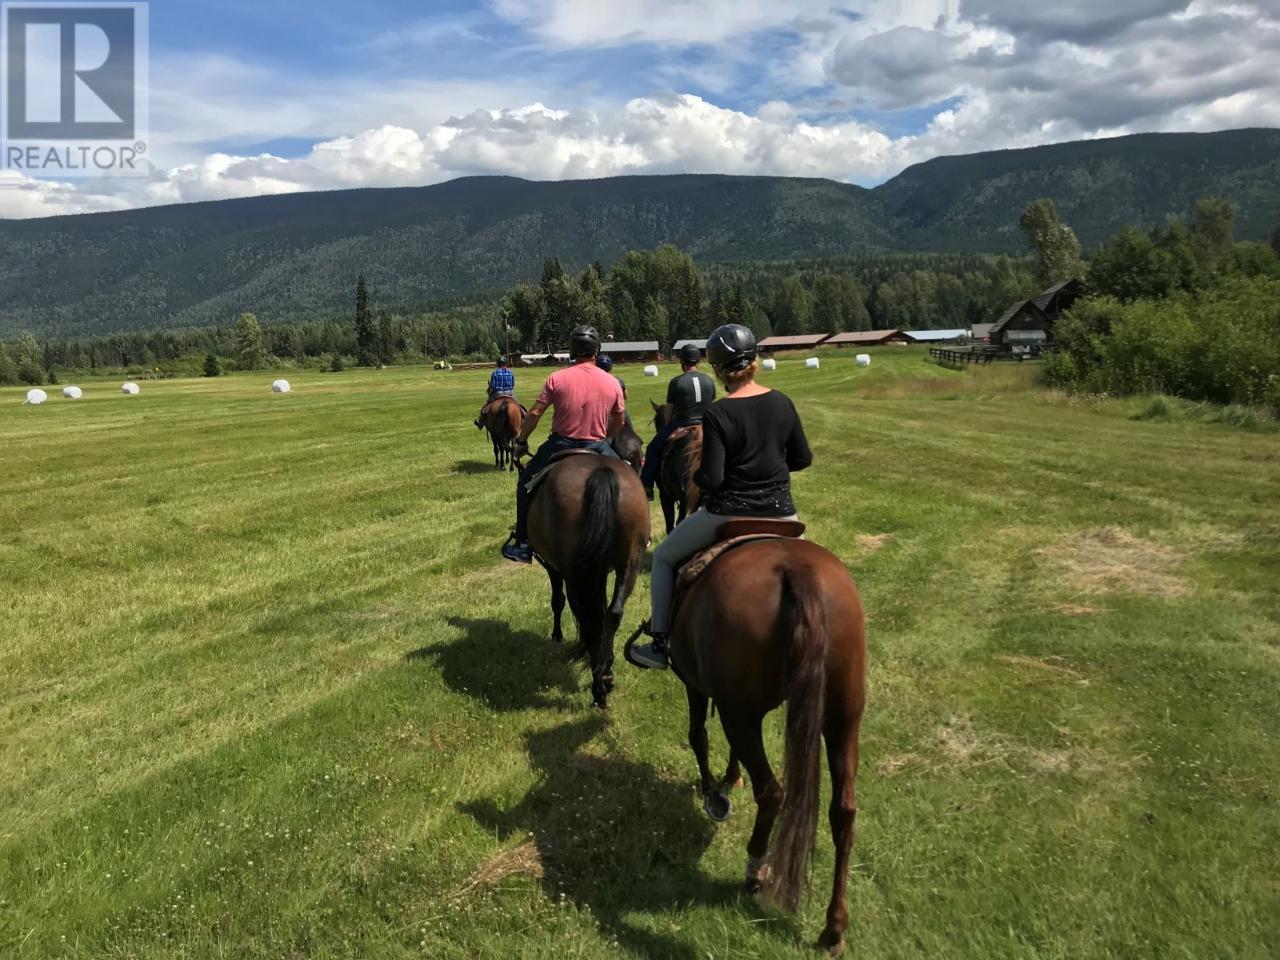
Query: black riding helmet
x=604, y=362
x=502, y=361
x=690, y=354
x=584, y=342
x=731, y=347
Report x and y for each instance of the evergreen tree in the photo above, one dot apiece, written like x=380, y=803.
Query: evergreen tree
x=735, y=307
x=30, y=360
x=790, y=308
x=386, y=341
x=212, y=368
x=654, y=324
x=366, y=331
x=551, y=272
x=1056, y=248
x=1213, y=229
x=51, y=375
x=250, y=352
x=523, y=310
x=337, y=365
x=1275, y=241
x=8, y=369
x=593, y=308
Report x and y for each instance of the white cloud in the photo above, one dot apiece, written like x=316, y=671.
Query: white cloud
x=22, y=197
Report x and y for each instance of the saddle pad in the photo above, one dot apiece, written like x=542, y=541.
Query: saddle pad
x=699, y=563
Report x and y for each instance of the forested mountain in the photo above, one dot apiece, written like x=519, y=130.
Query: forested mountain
x=295, y=257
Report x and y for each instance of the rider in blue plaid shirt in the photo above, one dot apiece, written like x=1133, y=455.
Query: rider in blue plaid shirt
x=502, y=383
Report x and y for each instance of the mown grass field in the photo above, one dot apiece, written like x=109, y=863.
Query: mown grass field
x=267, y=690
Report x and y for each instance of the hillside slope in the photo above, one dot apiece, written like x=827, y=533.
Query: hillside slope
x=296, y=256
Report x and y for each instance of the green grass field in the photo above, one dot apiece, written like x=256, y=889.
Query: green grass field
x=267, y=689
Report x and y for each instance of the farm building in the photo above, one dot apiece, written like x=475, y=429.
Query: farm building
x=868, y=338
x=937, y=336
x=631, y=351
x=1059, y=298
x=806, y=341
x=543, y=359
x=1024, y=330
x=981, y=332
x=700, y=344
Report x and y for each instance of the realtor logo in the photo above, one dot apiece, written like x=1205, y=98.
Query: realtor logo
x=74, y=79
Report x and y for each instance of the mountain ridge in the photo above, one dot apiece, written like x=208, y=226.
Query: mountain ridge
x=292, y=256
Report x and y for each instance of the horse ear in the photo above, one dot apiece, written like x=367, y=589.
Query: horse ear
x=656, y=407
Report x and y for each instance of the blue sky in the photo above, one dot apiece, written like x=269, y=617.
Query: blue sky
x=285, y=95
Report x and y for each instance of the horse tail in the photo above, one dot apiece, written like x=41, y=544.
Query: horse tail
x=599, y=518
x=803, y=625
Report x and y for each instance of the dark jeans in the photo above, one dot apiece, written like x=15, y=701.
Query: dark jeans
x=653, y=453
x=553, y=445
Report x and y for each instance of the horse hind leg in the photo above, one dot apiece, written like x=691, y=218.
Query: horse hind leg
x=714, y=801
x=841, y=735
x=668, y=510
x=747, y=743
x=557, y=604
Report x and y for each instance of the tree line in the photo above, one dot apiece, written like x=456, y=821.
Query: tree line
x=1183, y=310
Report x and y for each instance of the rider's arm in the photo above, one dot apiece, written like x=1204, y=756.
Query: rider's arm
x=618, y=412
x=799, y=455
x=710, y=475
x=531, y=421
x=617, y=420
x=671, y=390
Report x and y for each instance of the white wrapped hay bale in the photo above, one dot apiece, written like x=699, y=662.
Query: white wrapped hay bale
x=863, y=359
x=769, y=363
x=36, y=397
x=130, y=389
x=72, y=393
x=281, y=386
x=651, y=371
x=813, y=363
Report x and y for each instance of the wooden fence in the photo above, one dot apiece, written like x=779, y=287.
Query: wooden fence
x=960, y=357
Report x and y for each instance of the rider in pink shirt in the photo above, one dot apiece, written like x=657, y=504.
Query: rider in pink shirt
x=589, y=408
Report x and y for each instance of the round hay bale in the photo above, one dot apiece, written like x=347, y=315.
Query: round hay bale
x=36, y=396
x=281, y=386
x=813, y=363
x=769, y=363
x=72, y=393
x=130, y=389
x=651, y=371
x=863, y=359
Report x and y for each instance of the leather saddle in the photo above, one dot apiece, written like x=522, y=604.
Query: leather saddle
x=730, y=535
x=681, y=432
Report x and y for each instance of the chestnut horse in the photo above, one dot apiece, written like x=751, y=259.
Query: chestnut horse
x=774, y=620
x=590, y=517
x=676, y=490
x=503, y=418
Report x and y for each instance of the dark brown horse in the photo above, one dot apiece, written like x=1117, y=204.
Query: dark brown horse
x=677, y=492
x=770, y=621
x=503, y=417
x=626, y=444
x=590, y=518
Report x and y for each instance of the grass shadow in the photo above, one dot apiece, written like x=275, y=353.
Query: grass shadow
x=475, y=467
x=614, y=838
x=505, y=671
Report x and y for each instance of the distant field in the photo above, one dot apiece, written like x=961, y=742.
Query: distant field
x=267, y=689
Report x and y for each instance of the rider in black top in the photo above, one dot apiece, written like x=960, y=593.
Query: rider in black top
x=751, y=443
x=691, y=394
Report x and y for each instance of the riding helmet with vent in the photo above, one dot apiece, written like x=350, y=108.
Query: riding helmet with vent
x=690, y=354
x=584, y=342
x=731, y=347
x=502, y=361
x=604, y=362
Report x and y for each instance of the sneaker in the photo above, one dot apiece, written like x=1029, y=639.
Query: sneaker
x=651, y=655
x=518, y=551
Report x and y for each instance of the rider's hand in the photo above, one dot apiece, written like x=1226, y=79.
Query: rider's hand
x=520, y=447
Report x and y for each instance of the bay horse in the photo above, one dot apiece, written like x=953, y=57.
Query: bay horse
x=589, y=518
x=626, y=444
x=770, y=621
x=503, y=418
x=677, y=492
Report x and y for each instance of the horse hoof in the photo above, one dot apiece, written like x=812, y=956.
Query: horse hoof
x=753, y=885
x=831, y=942
x=757, y=874
x=717, y=806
